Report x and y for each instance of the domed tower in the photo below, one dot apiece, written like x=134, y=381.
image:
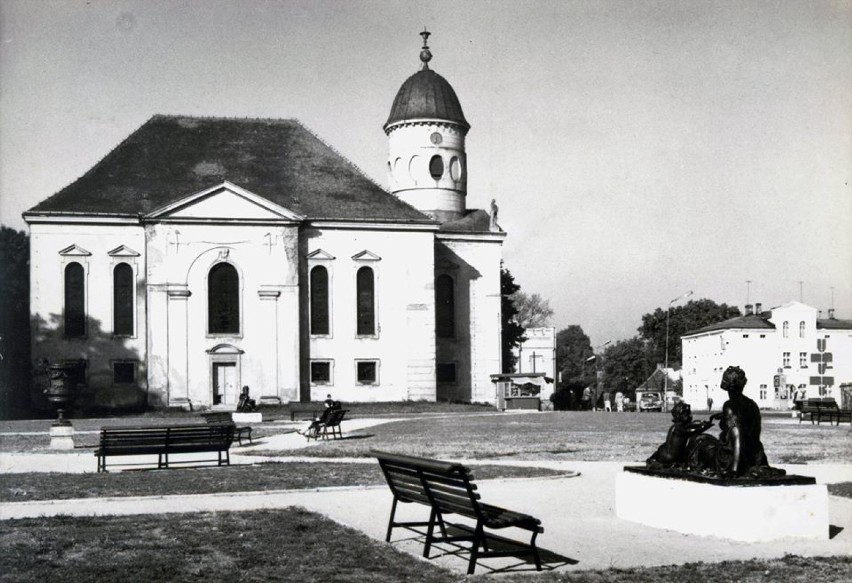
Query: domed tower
x=427, y=165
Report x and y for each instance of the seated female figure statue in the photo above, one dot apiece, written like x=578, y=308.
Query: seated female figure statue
x=675, y=450
x=738, y=451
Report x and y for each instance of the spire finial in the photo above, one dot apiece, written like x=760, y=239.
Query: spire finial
x=425, y=53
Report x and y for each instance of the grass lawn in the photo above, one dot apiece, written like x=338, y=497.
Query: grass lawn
x=271, y=476
x=295, y=545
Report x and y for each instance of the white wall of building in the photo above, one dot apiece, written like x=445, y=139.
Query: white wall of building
x=538, y=354
x=764, y=353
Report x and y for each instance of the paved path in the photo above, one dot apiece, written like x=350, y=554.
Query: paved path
x=577, y=511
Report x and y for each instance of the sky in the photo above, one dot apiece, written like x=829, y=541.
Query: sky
x=636, y=150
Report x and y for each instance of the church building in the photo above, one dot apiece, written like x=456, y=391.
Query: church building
x=206, y=254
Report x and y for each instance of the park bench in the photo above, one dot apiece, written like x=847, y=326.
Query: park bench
x=330, y=424
x=218, y=417
x=824, y=408
x=165, y=441
x=310, y=409
x=447, y=488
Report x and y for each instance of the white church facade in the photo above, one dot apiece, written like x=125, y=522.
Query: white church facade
x=206, y=254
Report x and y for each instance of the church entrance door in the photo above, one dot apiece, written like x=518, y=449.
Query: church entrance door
x=225, y=383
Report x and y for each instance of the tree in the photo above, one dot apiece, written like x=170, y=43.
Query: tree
x=512, y=332
x=682, y=319
x=533, y=310
x=14, y=319
x=573, y=348
x=625, y=365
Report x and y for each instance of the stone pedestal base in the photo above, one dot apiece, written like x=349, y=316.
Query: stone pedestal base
x=62, y=436
x=247, y=417
x=743, y=513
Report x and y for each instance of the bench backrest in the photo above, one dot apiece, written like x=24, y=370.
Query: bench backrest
x=446, y=486
x=335, y=416
x=178, y=436
x=819, y=404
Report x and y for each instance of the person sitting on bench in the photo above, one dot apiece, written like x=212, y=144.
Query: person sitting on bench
x=246, y=403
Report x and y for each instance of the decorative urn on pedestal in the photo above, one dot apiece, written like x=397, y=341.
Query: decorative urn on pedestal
x=60, y=393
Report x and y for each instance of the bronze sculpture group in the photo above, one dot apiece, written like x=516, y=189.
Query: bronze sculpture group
x=736, y=453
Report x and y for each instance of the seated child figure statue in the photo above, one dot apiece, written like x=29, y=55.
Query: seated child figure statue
x=675, y=451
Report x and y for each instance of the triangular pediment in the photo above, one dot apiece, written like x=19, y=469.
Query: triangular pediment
x=320, y=254
x=227, y=202
x=366, y=255
x=74, y=251
x=123, y=251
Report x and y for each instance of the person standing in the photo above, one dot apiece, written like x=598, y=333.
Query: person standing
x=607, y=402
x=619, y=401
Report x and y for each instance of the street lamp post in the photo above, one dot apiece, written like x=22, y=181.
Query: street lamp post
x=666, y=371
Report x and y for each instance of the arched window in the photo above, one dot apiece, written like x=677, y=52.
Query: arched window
x=75, y=301
x=122, y=300
x=436, y=167
x=366, y=302
x=786, y=329
x=801, y=329
x=445, y=307
x=223, y=299
x=319, y=300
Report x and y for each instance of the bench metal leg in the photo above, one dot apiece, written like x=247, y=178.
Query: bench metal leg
x=429, y=533
x=478, y=539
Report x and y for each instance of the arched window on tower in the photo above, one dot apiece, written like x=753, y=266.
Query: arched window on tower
x=801, y=329
x=319, y=300
x=785, y=329
x=366, y=302
x=75, y=301
x=122, y=300
x=445, y=307
x=223, y=299
x=436, y=167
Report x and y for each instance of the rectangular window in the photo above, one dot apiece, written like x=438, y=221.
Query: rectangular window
x=124, y=373
x=803, y=360
x=786, y=360
x=321, y=372
x=368, y=372
x=762, y=392
x=445, y=372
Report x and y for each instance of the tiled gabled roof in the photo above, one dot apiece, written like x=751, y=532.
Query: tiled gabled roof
x=171, y=157
x=834, y=324
x=750, y=322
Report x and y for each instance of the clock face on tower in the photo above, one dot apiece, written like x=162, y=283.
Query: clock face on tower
x=436, y=138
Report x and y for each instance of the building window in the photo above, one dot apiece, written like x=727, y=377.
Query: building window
x=122, y=300
x=223, y=299
x=445, y=307
x=801, y=329
x=124, y=373
x=803, y=360
x=763, y=392
x=367, y=372
x=786, y=329
x=745, y=335
x=436, y=167
x=321, y=372
x=75, y=301
x=445, y=372
x=319, y=300
x=786, y=360
x=366, y=302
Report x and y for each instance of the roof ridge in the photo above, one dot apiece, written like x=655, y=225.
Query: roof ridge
x=223, y=118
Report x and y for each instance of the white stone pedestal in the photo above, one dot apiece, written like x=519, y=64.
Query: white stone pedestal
x=247, y=417
x=743, y=513
x=62, y=436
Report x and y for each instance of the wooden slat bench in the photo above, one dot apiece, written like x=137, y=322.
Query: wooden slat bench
x=818, y=409
x=165, y=441
x=225, y=417
x=447, y=488
x=330, y=424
